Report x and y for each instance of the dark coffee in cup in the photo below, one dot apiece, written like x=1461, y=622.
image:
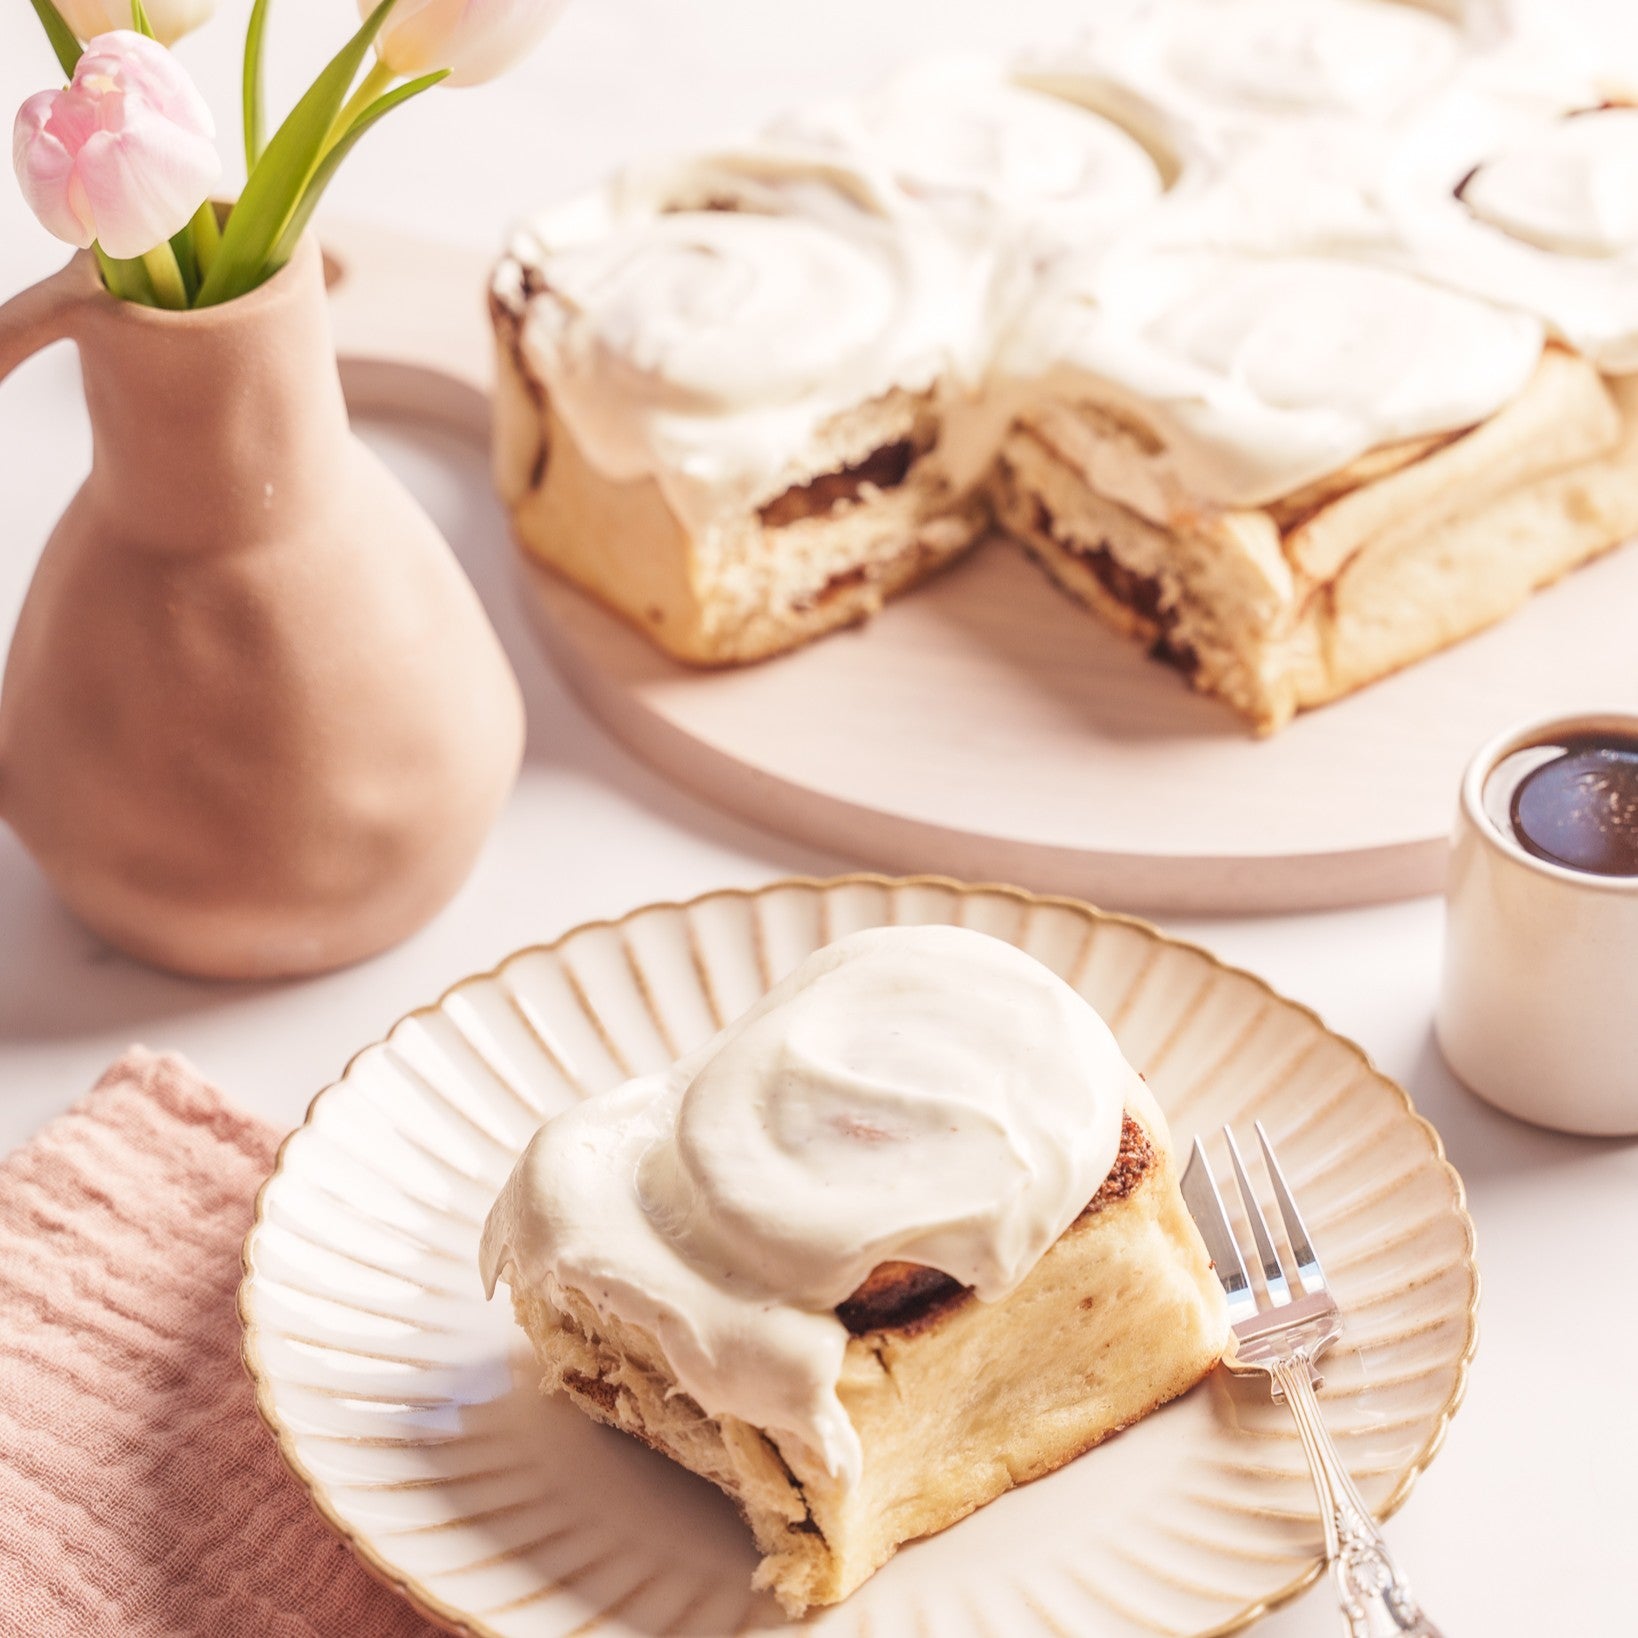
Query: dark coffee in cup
x=1572, y=801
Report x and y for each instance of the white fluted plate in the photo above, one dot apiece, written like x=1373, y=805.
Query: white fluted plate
x=406, y=1403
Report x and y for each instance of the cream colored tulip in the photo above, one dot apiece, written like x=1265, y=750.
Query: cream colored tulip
x=474, y=39
x=171, y=19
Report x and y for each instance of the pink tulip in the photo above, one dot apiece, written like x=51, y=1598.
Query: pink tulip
x=171, y=19
x=474, y=39
x=124, y=154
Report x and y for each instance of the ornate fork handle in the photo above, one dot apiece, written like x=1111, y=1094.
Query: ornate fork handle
x=1376, y=1600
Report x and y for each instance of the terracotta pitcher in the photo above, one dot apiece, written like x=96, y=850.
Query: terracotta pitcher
x=254, y=721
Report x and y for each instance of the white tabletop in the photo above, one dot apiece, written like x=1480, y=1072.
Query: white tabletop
x=1520, y=1523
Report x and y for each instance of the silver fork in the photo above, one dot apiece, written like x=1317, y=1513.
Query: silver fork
x=1282, y=1334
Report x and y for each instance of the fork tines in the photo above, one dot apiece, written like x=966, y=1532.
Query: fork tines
x=1205, y=1203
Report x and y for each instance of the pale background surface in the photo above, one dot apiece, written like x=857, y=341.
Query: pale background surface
x=1519, y=1526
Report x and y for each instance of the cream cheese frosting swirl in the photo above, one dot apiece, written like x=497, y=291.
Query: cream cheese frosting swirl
x=1361, y=58
x=705, y=345
x=924, y=1094
x=1016, y=177
x=1228, y=65
x=1531, y=207
x=1262, y=374
x=991, y=156
x=1573, y=190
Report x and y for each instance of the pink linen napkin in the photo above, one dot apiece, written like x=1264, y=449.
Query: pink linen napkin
x=140, y=1494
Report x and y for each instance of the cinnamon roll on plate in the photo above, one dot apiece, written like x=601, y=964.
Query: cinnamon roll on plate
x=905, y=1235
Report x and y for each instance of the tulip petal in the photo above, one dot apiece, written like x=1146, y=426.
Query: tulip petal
x=91, y=17
x=417, y=35
x=498, y=33
x=171, y=19
x=145, y=182
x=143, y=68
x=174, y=18
x=74, y=120
x=474, y=39
x=45, y=171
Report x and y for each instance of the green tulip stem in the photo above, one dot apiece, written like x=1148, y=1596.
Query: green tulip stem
x=126, y=280
x=282, y=176
x=379, y=78
x=169, y=290
x=207, y=237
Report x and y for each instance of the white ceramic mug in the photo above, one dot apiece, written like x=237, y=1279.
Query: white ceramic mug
x=1538, y=1009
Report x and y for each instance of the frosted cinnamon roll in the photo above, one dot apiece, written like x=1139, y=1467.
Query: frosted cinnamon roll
x=751, y=359
x=905, y=1234
x=1255, y=376
x=1572, y=190
x=926, y=1095
x=1292, y=475
x=729, y=311
x=1279, y=118
x=1015, y=176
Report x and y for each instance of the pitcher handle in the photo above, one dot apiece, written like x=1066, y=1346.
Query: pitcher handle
x=45, y=312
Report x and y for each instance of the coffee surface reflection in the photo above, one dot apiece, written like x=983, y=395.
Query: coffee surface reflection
x=1572, y=801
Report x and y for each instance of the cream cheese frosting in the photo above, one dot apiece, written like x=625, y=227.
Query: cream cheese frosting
x=1532, y=207
x=1358, y=57
x=1573, y=190
x=992, y=157
x=1229, y=65
x=1262, y=374
x=1000, y=236
x=924, y=1094
x=1014, y=176
x=703, y=345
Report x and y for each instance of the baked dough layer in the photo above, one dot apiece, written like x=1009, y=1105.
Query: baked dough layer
x=955, y=1401
x=1274, y=610
x=869, y=510
x=1291, y=606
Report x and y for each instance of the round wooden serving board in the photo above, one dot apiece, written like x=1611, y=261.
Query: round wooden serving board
x=984, y=727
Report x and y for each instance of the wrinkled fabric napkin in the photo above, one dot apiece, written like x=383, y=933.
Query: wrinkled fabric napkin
x=140, y=1494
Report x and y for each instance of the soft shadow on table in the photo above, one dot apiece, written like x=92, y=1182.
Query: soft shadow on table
x=1484, y=1145
x=72, y=982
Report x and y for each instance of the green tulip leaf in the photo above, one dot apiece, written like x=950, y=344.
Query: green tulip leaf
x=139, y=21
x=59, y=34
x=186, y=262
x=255, y=126
x=281, y=175
x=331, y=162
